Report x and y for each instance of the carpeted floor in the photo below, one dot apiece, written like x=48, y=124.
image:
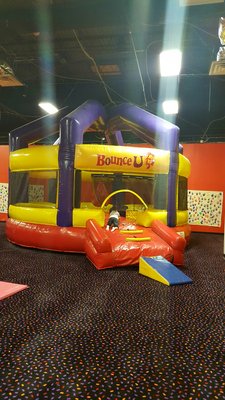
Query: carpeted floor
x=78, y=333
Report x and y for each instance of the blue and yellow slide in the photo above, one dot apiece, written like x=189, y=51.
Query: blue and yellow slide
x=159, y=269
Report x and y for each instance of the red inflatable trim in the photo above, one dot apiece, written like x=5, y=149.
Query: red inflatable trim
x=46, y=237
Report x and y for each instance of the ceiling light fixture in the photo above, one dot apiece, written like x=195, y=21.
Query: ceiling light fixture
x=7, y=77
x=198, y=2
x=170, y=107
x=170, y=62
x=48, y=107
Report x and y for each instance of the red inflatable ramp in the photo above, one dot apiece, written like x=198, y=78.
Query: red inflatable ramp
x=107, y=249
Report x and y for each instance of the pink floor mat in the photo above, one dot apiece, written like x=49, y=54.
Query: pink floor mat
x=8, y=289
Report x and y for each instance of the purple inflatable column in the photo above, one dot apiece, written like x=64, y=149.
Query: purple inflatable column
x=172, y=189
x=72, y=128
x=66, y=174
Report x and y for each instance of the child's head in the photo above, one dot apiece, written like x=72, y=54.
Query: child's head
x=113, y=208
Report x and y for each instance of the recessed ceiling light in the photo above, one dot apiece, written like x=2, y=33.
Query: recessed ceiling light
x=170, y=106
x=170, y=62
x=48, y=107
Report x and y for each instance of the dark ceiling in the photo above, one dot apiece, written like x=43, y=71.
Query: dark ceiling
x=74, y=50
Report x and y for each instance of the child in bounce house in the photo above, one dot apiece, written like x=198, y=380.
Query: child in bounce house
x=113, y=221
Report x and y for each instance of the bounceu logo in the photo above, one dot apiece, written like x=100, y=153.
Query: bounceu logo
x=132, y=161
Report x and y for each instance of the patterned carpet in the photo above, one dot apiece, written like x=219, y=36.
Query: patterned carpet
x=78, y=333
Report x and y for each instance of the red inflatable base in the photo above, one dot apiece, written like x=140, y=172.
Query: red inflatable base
x=105, y=249
x=46, y=237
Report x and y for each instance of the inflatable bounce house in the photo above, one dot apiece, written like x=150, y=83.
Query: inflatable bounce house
x=60, y=194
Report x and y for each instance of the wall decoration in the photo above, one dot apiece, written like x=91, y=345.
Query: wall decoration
x=3, y=197
x=205, y=207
